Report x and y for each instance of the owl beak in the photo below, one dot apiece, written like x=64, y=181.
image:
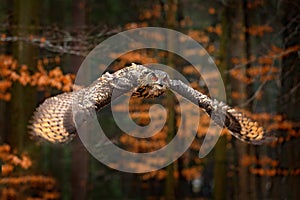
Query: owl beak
x=160, y=83
x=160, y=86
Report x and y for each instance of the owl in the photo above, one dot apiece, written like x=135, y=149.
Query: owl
x=53, y=120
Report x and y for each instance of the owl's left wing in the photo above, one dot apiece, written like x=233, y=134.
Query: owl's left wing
x=241, y=126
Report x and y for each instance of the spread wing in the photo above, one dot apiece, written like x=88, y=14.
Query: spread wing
x=241, y=126
x=53, y=120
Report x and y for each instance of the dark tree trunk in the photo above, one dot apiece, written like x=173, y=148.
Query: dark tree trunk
x=171, y=22
x=79, y=163
x=220, y=151
x=235, y=46
x=22, y=102
x=289, y=103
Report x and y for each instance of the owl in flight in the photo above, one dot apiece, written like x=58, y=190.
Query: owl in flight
x=53, y=120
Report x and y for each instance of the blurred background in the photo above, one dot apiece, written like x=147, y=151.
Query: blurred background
x=255, y=44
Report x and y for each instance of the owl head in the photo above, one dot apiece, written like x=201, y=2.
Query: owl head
x=153, y=84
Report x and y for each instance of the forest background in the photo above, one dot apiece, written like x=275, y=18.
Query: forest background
x=254, y=43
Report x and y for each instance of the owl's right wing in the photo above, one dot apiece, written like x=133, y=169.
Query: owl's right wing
x=53, y=120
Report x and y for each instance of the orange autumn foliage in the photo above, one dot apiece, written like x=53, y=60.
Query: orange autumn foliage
x=199, y=36
x=42, y=39
x=158, y=175
x=28, y=187
x=133, y=25
x=212, y=11
x=255, y=4
x=22, y=185
x=259, y=30
x=275, y=172
x=247, y=160
x=130, y=57
x=262, y=68
x=192, y=172
x=11, y=72
x=217, y=29
x=250, y=75
x=153, y=13
x=11, y=160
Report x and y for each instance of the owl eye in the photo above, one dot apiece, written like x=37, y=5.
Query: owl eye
x=153, y=77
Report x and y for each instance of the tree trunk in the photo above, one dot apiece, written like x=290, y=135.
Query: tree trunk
x=235, y=46
x=289, y=104
x=4, y=105
x=220, y=151
x=79, y=163
x=170, y=179
x=22, y=102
